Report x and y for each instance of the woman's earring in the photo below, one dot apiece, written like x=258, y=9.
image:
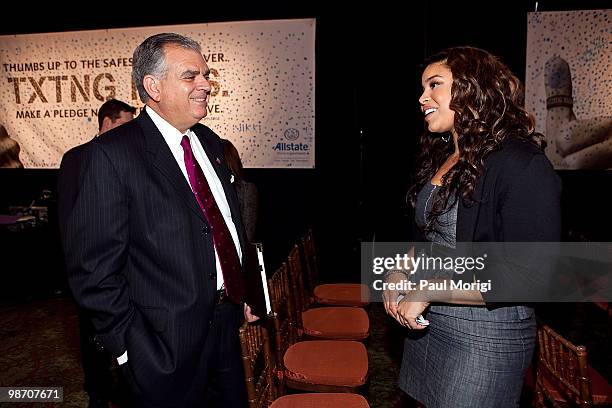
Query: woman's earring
x=445, y=137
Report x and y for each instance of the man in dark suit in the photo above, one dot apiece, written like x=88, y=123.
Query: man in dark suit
x=155, y=241
x=96, y=361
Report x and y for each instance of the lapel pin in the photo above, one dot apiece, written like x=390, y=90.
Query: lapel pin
x=218, y=160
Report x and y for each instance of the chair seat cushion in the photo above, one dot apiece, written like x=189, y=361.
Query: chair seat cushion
x=342, y=294
x=327, y=362
x=349, y=323
x=321, y=400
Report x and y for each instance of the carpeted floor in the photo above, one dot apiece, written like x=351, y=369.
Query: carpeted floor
x=39, y=347
x=384, y=353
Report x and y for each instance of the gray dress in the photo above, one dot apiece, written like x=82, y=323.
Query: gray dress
x=470, y=357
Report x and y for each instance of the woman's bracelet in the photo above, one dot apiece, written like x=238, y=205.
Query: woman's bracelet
x=393, y=271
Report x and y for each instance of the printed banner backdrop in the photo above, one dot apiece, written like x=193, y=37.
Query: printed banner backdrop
x=568, y=82
x=262, y=73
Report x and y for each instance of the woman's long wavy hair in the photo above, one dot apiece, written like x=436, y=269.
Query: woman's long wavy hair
x=487, y=99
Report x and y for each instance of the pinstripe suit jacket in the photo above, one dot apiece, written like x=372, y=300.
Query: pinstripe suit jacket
x=140, y=254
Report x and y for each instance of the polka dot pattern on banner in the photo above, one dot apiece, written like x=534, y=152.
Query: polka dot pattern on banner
x=568, y=82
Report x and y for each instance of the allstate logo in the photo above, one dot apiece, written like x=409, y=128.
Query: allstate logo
x=292, y=134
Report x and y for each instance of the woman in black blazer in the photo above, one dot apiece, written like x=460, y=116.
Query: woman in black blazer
x=482, y=178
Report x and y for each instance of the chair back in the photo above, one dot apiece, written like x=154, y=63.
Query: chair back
x=562, y=370
x=285, y=331
x=310, y=261
x=259, y=369
x=301, y=298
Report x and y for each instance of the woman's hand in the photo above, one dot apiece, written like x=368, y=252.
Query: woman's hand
x=390, y=296
x=408, y=310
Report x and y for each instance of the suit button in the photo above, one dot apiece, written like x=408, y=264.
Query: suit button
x=206, y=230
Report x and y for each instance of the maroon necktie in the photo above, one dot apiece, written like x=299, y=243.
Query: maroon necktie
x=222, y=239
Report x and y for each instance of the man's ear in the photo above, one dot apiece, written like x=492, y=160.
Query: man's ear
x=152, y=86
x=107, y=124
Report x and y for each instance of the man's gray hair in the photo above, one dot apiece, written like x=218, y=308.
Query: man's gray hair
x=150, y=59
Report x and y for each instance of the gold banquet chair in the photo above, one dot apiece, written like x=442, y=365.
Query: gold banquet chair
x=259, y=369
x=564, y=378
x=260, y=377
x=317, y=365
x=331, y=294
x=329, y=322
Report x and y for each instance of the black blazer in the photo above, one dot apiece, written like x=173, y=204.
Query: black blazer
x=140, y=254
x=517, y=199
